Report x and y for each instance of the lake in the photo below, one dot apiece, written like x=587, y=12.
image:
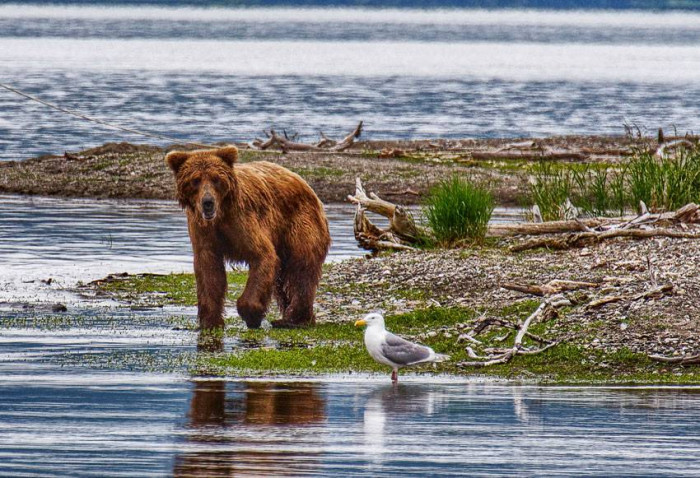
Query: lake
x=223, y=74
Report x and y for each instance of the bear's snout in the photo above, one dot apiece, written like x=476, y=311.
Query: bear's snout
x=208, y=207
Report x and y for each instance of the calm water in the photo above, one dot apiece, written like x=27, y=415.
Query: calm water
x=143, y=426
x=71, y=240
x=225, y=74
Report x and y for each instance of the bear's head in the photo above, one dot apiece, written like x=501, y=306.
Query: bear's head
x=205, y=179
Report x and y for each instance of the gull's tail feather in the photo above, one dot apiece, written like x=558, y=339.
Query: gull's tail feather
x=441, y=358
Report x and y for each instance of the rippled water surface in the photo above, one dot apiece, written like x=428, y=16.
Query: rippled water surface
x=222, y=74
x=129, y=425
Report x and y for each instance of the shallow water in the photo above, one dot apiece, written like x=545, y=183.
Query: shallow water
x=225, y=74
x=71, y=240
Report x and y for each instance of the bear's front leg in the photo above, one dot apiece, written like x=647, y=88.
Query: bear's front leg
x=210, y=273
x=253, y=303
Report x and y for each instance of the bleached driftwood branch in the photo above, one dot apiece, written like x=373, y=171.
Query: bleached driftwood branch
x=325, y=144
x=588, y=238
x=680, y=360
x=402, y=231
x=506, y=355
x=552, y=287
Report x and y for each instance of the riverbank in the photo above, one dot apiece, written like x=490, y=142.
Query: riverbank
x=402, y=171
x=436, y=297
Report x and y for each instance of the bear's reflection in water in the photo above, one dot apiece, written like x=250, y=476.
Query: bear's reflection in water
x=251, y=429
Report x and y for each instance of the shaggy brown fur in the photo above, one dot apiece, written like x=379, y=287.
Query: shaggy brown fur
x=257, y=213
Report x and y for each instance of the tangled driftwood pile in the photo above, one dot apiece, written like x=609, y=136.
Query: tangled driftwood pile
x=403, y=233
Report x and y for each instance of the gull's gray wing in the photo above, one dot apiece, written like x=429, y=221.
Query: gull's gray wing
x=402, y=352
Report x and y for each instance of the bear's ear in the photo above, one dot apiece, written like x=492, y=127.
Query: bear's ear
x=176, y=159
x=229, y=154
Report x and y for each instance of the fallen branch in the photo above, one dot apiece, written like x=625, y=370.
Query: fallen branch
x=402, y=231
x=605, y=300
x=527, y=155
x=552, y=287
x=656, y=292
x=349, y=140
x=583, y=239
x=287, y=144
x=540, y=228
x=517, y=344
x=680, y=360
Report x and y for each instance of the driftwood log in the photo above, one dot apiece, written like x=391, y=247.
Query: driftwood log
x=582, y=239
x=402, y=231
x=286, y=144
x=552, y=287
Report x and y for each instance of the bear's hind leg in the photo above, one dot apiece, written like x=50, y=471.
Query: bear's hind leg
x=300, y=283
x=281, y=296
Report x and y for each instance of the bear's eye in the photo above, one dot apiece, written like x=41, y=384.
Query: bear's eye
x=196, y=182
x=216, y=181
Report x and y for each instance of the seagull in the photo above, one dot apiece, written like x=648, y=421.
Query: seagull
x=389, y=349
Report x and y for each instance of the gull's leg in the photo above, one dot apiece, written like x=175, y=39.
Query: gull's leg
x=395, y=375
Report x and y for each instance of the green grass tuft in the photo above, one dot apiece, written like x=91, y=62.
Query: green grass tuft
x=458, y=209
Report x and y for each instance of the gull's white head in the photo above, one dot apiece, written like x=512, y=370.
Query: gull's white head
x=374, y=319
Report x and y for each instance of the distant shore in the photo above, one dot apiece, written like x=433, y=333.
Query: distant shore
x=402, y=171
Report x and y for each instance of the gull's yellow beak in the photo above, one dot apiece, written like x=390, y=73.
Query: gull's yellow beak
x=360, y=322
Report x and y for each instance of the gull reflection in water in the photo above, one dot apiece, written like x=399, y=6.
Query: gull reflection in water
x=251, y=429
x=393, y=406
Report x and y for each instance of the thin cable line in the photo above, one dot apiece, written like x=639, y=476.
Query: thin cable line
x=78, y=114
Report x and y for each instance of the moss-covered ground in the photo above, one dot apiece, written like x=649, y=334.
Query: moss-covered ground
x=337, y=346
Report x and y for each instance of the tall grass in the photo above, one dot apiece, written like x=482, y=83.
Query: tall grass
x=458, y=209
x=662, y=183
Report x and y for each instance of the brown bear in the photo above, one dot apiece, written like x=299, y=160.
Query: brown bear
x=257, y=213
